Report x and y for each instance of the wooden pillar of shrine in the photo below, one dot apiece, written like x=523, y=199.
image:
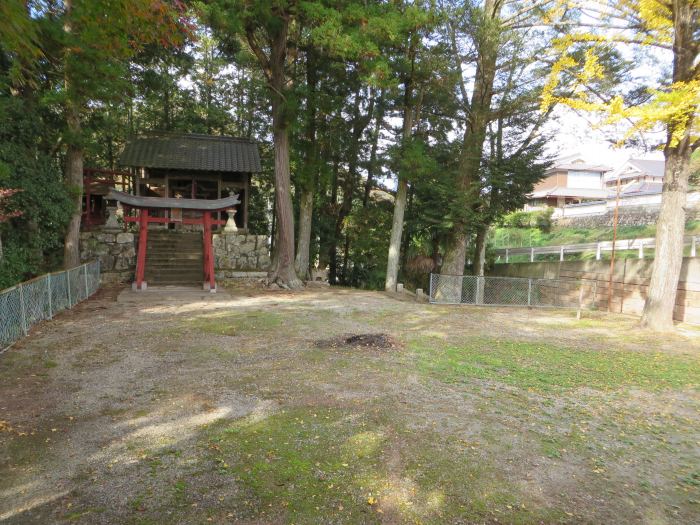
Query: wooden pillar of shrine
x=139, y=283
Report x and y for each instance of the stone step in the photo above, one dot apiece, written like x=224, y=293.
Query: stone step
x=164, y=257
x=188, y=250
x=175, y=282
x=174, y=276
x=170, y=233
x=167, y=265
x=173, y=244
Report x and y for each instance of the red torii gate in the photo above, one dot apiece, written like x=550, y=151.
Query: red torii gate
x=144, y=204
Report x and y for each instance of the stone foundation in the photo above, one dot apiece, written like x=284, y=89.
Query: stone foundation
x=116, y=251
x=238, y=255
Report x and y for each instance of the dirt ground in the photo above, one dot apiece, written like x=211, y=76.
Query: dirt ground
x=344, y=406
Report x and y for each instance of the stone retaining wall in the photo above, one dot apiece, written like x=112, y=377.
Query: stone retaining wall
x=116, y=251
x=238, y=254
x=628, y=216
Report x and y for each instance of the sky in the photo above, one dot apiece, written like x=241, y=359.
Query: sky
x=576, y=134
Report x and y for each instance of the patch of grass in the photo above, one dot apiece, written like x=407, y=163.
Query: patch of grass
x=546, y=367
x=459, y=485
x=180, y=493
x=236, y=323
x=305, y=464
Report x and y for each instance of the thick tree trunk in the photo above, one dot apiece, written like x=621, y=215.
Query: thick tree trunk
x=74, y=179
x=455, y=252
x=479, y=116
x=670, y=227
x=306, y=209
x=283, y=273
x=668, y=257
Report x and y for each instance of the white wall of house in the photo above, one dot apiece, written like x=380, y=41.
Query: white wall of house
x=584, y=179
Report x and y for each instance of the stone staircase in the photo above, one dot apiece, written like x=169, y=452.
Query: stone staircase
x=174, y=258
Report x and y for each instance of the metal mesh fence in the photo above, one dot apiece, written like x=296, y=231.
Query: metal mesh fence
x=30, y=302
x=512, y=291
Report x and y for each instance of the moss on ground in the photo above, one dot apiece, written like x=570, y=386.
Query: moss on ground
x=548, y=368
x=236, y=323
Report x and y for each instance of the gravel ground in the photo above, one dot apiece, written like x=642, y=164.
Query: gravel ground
x=108, y=412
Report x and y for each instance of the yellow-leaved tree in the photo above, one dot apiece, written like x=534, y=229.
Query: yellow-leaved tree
x=672, y=27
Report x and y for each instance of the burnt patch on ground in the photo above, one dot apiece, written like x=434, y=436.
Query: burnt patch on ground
x=369, y=341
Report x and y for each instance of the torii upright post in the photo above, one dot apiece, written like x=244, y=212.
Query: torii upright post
x=209, y=277
x=139, y=283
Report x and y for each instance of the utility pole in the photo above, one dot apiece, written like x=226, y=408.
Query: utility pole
x=612, y=254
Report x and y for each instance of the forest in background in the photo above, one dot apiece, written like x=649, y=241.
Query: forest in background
x=393, y=134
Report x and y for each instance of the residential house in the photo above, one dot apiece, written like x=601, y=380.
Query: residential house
x=570, y=180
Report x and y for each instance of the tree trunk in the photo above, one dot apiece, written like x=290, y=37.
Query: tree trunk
x=74, y=179
x=479, y=116
x=670, y=227
x=406, y=237
x=360, y=122
x=283, y=273
x=392, y=263
x=309, y=174
x=668, y=257
x=306, y=209
x=480, y=251
x=376, y=133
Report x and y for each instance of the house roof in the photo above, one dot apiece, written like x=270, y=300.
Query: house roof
x=560, y=191
x=192, y=152
x=636, y=167
x=641, y=188
x=579, y=166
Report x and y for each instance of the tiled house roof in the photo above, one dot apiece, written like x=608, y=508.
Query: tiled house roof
x=192, y=152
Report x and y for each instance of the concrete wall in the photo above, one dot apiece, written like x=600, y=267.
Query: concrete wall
x=630, y=282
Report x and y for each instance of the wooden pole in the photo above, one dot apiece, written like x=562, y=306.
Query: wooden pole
x=143, y=239
x=580, y=301
x=209, y=277
x=612, y=253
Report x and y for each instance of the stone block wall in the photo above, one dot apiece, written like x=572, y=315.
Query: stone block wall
x=628, y=216
x=116, y=251
x=236, y=254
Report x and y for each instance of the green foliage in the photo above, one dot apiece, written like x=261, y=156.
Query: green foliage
x=367, y=229
x=541, y=219
x=32, y=242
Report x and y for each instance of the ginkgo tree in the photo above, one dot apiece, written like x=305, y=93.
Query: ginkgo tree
x=665, y=28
